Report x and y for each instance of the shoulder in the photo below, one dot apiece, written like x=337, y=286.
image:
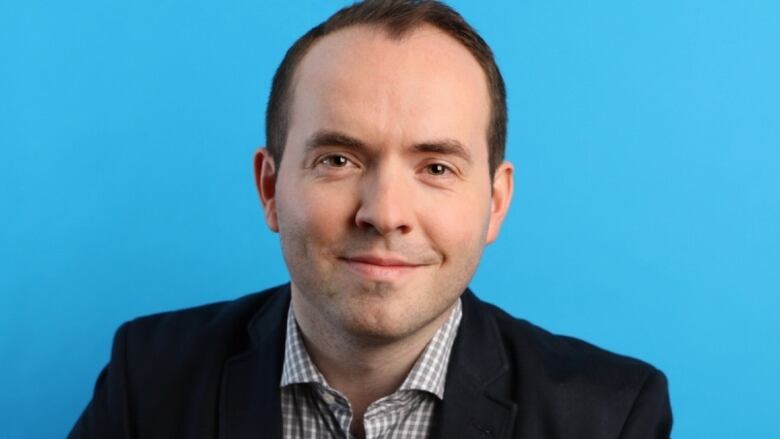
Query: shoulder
x=211, y=316
x=580, y=385
x=560, y=355
x=217, y=330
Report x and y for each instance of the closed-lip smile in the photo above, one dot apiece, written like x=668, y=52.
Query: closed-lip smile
x=380, y=268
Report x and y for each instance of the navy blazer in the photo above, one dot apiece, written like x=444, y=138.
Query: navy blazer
x=214, y=371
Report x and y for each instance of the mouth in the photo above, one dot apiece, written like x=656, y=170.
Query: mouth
x=386, y=269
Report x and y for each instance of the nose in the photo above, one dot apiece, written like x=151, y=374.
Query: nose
x=386, y=204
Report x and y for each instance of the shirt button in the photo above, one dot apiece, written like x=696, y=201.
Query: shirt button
x=328, y=398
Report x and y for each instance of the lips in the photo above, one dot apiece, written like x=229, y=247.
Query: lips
x=381, y=261
x=381, y=268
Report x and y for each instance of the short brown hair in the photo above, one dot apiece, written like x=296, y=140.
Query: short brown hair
x=397, y=18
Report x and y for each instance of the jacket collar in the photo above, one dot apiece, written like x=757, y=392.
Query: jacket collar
x=250, y=405
x=469, y=410
x=250, y=402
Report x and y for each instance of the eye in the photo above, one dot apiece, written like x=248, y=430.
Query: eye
x=437, y=169
x=334, y=160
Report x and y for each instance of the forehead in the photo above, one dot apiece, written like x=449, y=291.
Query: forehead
x=394, y=90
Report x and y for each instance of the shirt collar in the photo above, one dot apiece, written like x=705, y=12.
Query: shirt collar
x=298, y=366
x=428, y=373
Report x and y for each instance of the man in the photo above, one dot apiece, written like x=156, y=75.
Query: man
x=384, y=177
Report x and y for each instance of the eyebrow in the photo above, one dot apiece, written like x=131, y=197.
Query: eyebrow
x=445, y=147
x=333, y=138
x=450, y=147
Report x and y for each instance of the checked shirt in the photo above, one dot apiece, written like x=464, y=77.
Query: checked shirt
x=313, y=409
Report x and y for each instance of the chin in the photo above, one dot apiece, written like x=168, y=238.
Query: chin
x=384, y=330
x=380, y=314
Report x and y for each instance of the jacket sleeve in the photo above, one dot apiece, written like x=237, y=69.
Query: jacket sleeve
x=107, y=414
x=651, y=414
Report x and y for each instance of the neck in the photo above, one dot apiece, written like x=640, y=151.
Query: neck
x=363, y=369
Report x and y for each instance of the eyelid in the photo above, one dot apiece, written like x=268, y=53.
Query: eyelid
x=451, y=169
x=322, y=157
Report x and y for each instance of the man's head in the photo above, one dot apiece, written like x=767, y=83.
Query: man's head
x=386, y=195
x=397, y=19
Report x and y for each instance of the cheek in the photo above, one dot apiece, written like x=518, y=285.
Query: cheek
x=458, y=227
x=313, y=216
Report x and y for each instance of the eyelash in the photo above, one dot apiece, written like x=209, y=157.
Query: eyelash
x=446, y=169
x=325, y=159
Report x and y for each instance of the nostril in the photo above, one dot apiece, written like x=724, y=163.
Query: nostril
x=384, y=221
x=385, y=205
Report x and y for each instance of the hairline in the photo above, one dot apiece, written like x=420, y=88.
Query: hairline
x=395, y=35
x=286, y=78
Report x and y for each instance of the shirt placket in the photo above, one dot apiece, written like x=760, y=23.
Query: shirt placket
x=339, y=408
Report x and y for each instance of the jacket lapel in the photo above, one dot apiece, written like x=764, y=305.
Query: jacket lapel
x=478, y=358
x=249, y=401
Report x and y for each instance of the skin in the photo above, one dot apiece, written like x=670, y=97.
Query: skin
x=381, y=231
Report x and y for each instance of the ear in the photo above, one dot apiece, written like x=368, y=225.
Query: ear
x=265, y=179
x=503, y=185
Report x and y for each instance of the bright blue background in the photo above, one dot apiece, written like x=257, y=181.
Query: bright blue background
x=645, y=219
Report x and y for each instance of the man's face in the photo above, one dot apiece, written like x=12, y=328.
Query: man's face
x=383, y=199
